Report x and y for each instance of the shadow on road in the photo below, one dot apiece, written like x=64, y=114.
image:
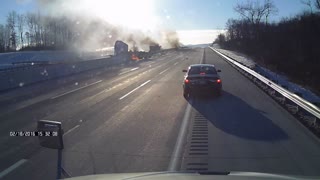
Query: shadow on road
x=234, y=116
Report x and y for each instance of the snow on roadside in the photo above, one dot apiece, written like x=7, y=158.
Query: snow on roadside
x=281, y=79
x=239, y=57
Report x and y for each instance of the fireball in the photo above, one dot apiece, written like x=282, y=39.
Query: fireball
x=134, y=57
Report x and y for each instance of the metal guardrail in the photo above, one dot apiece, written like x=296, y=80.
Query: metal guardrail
x=294, y=104
x=18, y=66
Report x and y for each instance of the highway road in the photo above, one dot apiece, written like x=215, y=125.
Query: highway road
x=133, y=118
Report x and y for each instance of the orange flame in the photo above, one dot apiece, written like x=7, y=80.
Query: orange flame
x=134, y=57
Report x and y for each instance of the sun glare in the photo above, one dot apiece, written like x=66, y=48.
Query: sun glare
x=137, y=14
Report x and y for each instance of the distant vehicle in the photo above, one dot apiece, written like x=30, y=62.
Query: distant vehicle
x=120, y=48
x=138, y=55
x=154, y=48
x=202, y=78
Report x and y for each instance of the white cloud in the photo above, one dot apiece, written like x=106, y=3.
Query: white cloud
x=187, y=37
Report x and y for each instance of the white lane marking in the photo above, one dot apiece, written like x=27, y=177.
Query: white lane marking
x=128, y=71
x=164, y=70
x=178, y=149
x=176, y=63
x=113, y=87
x=150, y=64
x=76, y=89
x=201, y=60
x=13, y=167
x=70, y=130
x=124, y=72
x=134, y=89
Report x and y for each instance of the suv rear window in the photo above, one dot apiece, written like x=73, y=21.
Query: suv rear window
x=202, y=69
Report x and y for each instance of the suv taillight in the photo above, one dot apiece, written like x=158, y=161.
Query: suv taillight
x=186, y=81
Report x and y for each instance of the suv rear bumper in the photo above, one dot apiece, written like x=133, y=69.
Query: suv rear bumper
x=202, y=90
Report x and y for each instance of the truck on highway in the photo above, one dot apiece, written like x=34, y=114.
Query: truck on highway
x=154, y=48
x=120, y=48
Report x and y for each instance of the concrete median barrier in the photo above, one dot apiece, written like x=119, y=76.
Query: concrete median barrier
x=24, y=76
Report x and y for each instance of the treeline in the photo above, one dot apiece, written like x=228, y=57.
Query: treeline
x=290, y=46
x=73, y=31
x=34, y=31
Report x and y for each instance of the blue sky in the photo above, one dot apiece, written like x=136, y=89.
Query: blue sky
x=20, y=6
x=213, y=14
x=184, y=14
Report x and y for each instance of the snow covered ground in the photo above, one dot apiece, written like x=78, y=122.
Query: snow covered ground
x=198, y=45
x=281, y=79
x=239, y=57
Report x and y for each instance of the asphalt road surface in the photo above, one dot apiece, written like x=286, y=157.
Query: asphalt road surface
x=133, y=118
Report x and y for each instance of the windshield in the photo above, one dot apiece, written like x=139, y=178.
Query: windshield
x=102, y=86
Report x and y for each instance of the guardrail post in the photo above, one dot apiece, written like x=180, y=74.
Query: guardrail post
x=298, y=93
x=292, y=107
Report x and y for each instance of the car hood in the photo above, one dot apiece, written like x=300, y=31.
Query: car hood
x=190, y=176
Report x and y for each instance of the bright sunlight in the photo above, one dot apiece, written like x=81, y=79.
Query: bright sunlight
x=137, y=14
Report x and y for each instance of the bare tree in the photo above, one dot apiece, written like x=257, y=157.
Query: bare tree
x=309, y=4
x=271, y=9
x=38, y=29
x=11, y=23
x=246, y=10
x=221, y=39
x=254, y=12
x=7, y=37
x=21, y=22
x=231, y=29
x=2, y=38
x=30, y=19
x=27, y=35
x=317, y=4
